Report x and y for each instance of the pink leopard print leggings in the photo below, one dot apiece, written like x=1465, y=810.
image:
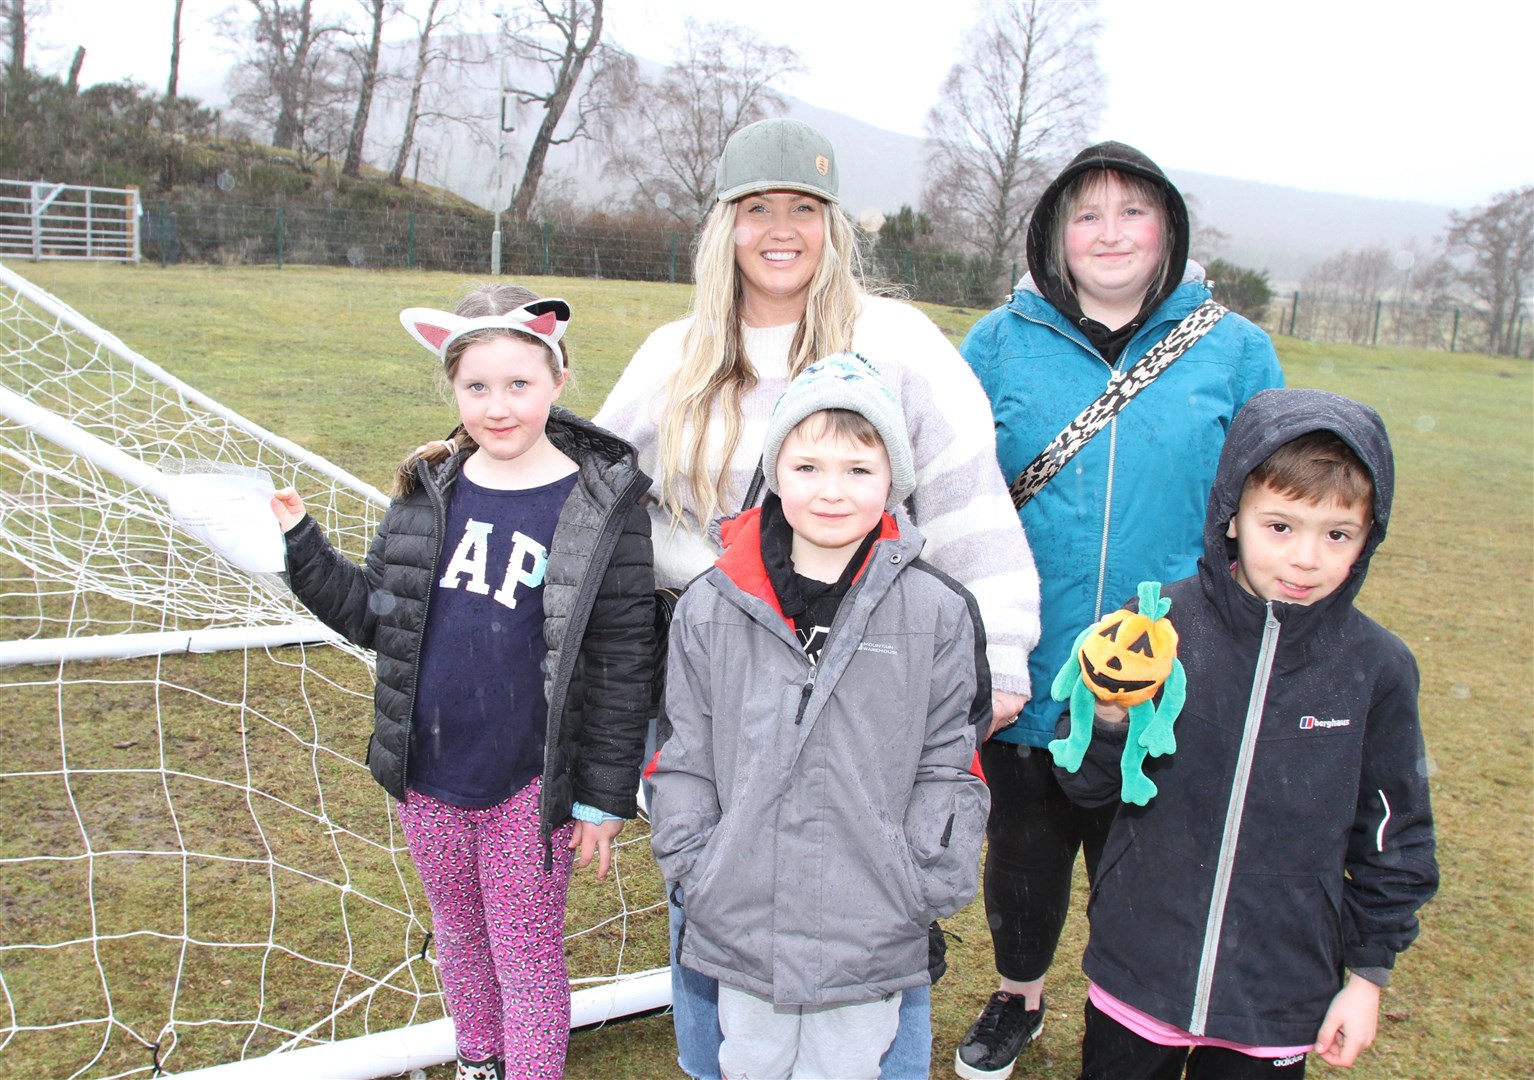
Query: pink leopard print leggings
x=498, y=922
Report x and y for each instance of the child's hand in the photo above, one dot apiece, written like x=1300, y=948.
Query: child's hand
x=1351, y=1023
x=288, y=507
x=590, y=838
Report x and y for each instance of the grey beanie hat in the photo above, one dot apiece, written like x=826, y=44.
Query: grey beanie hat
x=776, y=155
x=844, y=381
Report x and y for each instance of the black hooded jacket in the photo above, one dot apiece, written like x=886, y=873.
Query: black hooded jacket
x=598, y=618
x=1291, y=836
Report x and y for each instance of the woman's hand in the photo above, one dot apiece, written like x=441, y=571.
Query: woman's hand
x=597, y=839
x=1004, y=709
x=288, y=507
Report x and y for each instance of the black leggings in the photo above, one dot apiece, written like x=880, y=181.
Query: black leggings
x=1032, y=837
x=1110, y=1051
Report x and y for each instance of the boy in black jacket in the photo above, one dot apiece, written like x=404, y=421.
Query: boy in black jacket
x=1252, y=911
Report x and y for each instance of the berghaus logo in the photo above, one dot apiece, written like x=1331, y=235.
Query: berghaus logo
x=1307, y=723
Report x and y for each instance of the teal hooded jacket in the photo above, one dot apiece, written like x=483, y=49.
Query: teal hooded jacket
x=1129, y=507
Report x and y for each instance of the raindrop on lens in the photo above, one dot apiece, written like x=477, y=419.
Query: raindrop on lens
x=1327, y=365
x=354, y=255
x=226, y=181
x=1426, y=423
x=663, y=201
x=1459, y=690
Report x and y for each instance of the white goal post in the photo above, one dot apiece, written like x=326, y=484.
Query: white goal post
x=198, y=871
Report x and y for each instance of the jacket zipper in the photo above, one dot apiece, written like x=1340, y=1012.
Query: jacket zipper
x=601, y=555
x=1102, y=554
x=1114, y=374
x=808, y=688
x=434, y=493
x=1233, y=810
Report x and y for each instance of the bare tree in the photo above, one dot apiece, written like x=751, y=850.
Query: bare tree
x=721, y=78
x=72, y=80
x=1492, y=248
x=1019, y=101
x=367, y=79
x=175, y=53
x=14, y=17
x=291, y=75
x=438, y=14
x=562, y=39
x=1204, y=239
x=1343, y=295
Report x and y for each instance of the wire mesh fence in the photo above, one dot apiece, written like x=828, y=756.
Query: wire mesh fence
x=1392, y=321
x=462, y=241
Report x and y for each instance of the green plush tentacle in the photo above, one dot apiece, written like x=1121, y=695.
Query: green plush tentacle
x=1068, y=752
x=1136, y=787
x=1159, y=738
x=1070, y=674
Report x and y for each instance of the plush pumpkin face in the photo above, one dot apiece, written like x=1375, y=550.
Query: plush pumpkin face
x=1127, y=655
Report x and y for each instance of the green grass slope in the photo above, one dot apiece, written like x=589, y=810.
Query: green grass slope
x=318, y=356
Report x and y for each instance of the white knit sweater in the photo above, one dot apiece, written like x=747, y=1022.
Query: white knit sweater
x=960, y=502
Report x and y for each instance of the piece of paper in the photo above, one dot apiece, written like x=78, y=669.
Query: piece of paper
x=232, y=514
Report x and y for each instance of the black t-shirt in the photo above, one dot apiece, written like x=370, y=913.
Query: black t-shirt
x=477, y=734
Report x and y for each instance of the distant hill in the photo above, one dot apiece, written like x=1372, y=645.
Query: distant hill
x=1284, y=230
x=1279, y=229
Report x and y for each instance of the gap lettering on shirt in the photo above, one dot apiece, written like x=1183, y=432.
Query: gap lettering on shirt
x=467, y=568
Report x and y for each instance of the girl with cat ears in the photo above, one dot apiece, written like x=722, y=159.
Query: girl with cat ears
x=509, y=596
x=489, y=311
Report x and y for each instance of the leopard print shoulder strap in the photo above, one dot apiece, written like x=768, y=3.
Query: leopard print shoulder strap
x=1122, y=386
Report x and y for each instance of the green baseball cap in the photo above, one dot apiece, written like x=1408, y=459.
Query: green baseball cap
x=776, y=155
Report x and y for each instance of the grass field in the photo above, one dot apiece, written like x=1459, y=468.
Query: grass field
x=318, y=356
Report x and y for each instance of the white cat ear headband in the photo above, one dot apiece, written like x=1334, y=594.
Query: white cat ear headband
x=545, y=320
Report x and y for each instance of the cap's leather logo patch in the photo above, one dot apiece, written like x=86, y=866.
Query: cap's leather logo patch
x=822, y=164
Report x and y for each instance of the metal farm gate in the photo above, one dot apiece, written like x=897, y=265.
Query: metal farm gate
x=40, y=220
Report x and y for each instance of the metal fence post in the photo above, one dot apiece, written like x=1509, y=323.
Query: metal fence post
x=282, y=224
x=1294, y=314
x=1454, y=334
x=160, y=233
x=135, y=212
x=547, y=230
x=1379, y=307
x=671, y=274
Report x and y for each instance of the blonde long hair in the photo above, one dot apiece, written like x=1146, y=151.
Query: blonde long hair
x=715, y=373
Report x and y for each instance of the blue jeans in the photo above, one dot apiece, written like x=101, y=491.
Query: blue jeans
x=695, y=1016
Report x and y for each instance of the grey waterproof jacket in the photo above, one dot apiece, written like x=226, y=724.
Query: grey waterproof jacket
x=818, y=818
x=598, y=618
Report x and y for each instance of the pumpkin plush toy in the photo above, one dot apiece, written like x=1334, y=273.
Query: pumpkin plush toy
x=1125, y=658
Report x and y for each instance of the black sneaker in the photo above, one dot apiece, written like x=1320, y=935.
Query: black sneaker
x=998, y=1035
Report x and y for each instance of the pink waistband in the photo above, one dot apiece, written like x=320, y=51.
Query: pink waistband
x=1163, y=1034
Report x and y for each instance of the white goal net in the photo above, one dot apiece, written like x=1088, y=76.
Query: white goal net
x=195, y=867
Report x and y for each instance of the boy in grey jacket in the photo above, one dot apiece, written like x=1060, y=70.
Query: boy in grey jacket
x=814, y=806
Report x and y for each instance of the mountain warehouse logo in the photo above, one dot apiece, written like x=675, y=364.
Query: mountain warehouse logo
x=1309, y=722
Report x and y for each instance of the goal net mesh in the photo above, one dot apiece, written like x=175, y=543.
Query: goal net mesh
x=195, y=865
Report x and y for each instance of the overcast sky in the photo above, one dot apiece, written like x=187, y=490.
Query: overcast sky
x=1404, y=100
